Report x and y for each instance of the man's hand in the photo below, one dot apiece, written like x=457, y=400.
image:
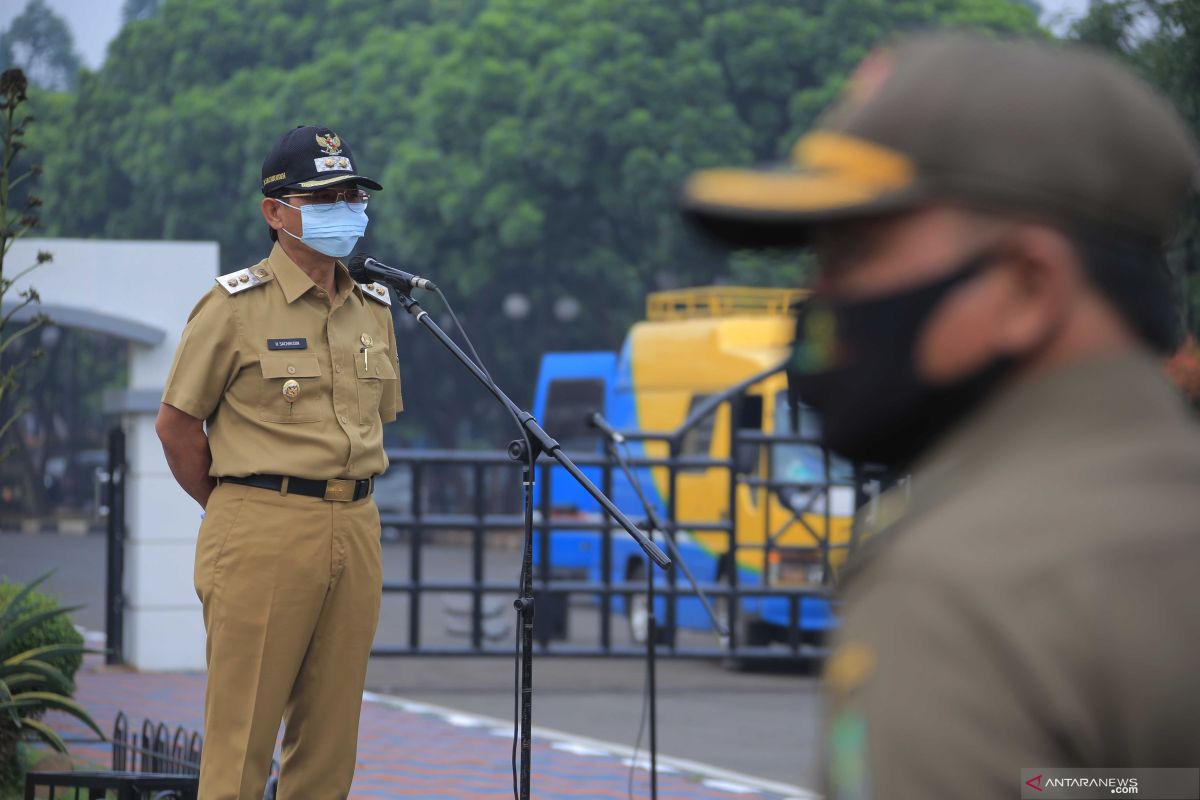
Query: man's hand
x=186, y=448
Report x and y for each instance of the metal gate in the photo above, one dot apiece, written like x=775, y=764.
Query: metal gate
x=466, y=502
x=472, y=514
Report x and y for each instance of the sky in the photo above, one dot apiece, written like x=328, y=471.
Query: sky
x=95, y=22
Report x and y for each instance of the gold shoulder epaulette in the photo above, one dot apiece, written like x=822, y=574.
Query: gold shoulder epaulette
x=243, y=279
x=377, y=291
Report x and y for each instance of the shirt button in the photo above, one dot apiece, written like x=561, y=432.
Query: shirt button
x=321, y=293
x=337, y=368
x=343, y=420
x=291, y=370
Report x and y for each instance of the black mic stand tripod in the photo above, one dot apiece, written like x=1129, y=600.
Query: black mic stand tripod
x=539, y=442
x=612, y=441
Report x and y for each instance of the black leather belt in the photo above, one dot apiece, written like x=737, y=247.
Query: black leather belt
x=338, y=490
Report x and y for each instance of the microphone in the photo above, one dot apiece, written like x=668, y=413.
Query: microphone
x=365, y=269
x=597, y=420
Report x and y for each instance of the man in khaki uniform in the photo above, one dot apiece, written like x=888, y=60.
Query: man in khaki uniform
x=990, y=312
x=291, y=367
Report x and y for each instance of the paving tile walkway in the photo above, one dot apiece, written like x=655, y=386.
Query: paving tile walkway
x=409, y=750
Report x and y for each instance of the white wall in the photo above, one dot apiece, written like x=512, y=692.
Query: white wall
x=155, y=285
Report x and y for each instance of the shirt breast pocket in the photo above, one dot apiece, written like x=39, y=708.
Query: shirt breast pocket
x=291, y=388
x=373, y=380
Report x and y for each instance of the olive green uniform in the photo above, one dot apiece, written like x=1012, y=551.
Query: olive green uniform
x=1038, y=604
x=291, y=382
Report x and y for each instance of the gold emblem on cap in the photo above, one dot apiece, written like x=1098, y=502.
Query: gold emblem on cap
x=343, y=163
x=243, y=278
x=291, y=391
x=329, y=162
x=330, y=142
x=366, y=340
x=232, y=282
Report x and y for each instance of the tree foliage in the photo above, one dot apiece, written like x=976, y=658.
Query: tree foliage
x=18, y=216
x=1162, y=41
x=524, y=145
x=133, y=10
x=39, y=42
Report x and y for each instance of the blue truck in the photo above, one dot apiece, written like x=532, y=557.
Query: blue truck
x=760, y=512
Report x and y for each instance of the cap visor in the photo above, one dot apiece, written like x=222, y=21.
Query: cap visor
x=335, y=180
x=780, y=207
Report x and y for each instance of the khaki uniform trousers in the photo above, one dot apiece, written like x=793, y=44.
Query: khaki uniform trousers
x=291, y=590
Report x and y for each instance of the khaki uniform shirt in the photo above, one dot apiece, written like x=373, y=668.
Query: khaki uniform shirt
x=239, y=350
x=1039, y=604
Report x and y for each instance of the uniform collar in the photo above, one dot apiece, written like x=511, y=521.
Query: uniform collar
x=1042, y=415
x=1058, y=409
x=295, y=282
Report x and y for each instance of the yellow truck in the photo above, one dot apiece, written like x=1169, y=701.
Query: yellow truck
x=759, y=511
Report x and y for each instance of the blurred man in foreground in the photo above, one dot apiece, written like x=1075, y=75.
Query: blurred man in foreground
x=989, y=220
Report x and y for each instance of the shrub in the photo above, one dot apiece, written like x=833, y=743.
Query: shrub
x=55, y=630
x=39, y=654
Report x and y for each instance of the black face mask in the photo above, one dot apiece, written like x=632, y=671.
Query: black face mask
x=855, y=365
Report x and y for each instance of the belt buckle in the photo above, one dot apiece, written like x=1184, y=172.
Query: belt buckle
x=339, y=491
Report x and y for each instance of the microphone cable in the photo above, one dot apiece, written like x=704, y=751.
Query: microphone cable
x=528, y=501
x=637, y=744
x=471, y=347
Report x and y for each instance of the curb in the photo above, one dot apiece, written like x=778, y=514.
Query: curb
x=706, y=774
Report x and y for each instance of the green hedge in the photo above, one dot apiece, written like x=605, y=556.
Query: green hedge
x=57, y=630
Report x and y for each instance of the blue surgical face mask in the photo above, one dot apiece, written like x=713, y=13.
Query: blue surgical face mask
x=330, y=228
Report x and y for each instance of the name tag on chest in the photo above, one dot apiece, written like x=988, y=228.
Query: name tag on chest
x=287, y=344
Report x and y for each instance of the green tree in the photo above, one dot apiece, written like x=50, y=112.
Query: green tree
x=524, y=145
x=39, y=41
x=17, y=218
x=1162, y=41
x=133, y=10
x=62, y=425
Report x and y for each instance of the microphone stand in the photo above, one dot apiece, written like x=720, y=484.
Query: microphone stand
x=540, y=442
x=611, y=441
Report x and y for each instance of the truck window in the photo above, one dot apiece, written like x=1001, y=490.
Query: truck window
x=569, y=402
x=750, y=418
x=803, y=462
x=698, y=441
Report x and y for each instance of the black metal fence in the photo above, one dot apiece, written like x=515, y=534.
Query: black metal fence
x=108, y=786
x=155, y=748
x=479, y=512
x=154, y=762
x=473, y=496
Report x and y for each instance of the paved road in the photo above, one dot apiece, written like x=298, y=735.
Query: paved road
x=759, y=724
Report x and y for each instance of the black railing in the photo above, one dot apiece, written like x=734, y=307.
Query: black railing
x=109, y=785
x=476, y=510
x=155, y=763
x=155, y=749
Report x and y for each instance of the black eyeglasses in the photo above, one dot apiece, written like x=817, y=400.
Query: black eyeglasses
x=327, y=197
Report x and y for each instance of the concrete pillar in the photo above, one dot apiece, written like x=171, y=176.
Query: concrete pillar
x=143, y=292
x=163, y=626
